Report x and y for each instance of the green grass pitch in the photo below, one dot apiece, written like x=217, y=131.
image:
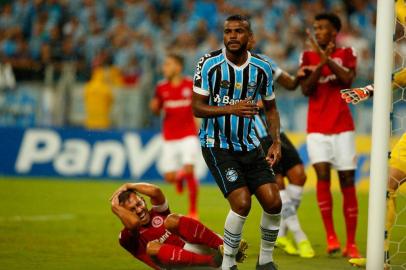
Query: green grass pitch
x=54, y=224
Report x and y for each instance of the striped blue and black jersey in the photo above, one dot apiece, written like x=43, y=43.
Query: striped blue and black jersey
x=226, y=84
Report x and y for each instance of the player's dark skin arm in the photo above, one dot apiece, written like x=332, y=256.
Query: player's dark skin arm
x=343, y=74
x=309, y=84
x=202, y=109
x=287, y=81
x=272, y=117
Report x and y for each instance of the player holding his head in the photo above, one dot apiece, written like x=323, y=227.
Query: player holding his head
x=330, y=127
x=160, y=239
x=181, y=147
x=227, y=85
x=397, y=161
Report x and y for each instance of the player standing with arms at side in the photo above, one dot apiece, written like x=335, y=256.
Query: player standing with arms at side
x=227, y=85
x=181, y=146
x=330, y=127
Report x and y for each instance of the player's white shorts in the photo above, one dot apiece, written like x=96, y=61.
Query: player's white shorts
x=177, y=153
x=337, y=149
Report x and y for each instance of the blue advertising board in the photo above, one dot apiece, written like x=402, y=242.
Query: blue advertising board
x=81, y=153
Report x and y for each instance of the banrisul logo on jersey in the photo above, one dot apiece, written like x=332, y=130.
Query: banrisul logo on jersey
x=226, y=100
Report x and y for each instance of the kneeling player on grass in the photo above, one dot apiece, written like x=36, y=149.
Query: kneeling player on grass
x=397, y=162
x=161, y=239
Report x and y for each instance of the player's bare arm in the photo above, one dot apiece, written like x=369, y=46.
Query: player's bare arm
x=288, y=81
x=202, y=109
x=155, y=106
x=309, y=83
x=152, y=191
x=345, y=75
x=272, y=117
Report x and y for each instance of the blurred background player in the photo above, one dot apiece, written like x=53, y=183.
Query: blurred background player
x=159, y=238
x=290, y=166
x=330, y=127
x=227, y=85
x=397, y=161
x=181, y=146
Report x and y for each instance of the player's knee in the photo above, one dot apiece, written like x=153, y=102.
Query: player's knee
x=242, y=207
x=153, y=248
x=188, y=169
x=297, y=175
x=171, y=222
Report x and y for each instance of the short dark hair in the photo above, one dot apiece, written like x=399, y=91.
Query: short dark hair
x=177, y=57
x=241, y=18
x=125, y=195
x=331, y=17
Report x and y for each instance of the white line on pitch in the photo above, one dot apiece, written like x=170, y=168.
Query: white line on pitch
x=40, y=218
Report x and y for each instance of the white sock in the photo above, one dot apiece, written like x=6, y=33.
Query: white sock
x=283, y=227
x=295, y=193
x=269, y=231
x=289, y=216
x=232, y=237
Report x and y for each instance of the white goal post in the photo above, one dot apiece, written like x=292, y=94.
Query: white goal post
x=380, y=133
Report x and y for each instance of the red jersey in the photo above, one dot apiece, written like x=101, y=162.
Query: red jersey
x=328, y=113
x=136, y=242
x=176, y=101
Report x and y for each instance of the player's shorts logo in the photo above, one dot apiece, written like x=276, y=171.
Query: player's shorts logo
x=157, y=221
x=231, y=175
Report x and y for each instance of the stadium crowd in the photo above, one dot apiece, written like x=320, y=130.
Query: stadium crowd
x=136, y=34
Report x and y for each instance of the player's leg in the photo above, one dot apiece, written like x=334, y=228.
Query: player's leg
x=170, y=162
x=320, y=149
x=189, y=153
x=262, y=183
x=269, y=198
x=397, y=176
x=192, y=231
x=226, y=171
x=345, y=163
x=169, y=256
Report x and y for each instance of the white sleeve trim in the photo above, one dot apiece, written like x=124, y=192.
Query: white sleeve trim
x=200, y=91
x=278, y=72
x=271, y=97
x=161, y=208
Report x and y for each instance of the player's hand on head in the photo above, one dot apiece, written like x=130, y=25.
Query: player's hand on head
x=121, y=189
x=355, y=95
x=274, y=154
x=245, y=108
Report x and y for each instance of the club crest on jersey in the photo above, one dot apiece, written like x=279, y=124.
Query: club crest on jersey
x=186, y=92
x=231, y=175
x=225, y=84
x=238, y=86
x=157, y=221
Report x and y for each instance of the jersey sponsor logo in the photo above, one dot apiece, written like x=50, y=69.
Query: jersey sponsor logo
x=231, y=175
x=177, y=103
x=227, y=100
x=326, y=79
x=164, y=237
x=157, y=221
x=225, y=84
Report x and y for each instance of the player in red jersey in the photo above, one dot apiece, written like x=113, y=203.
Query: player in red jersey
x=330, y=128
x=161, y=239
x=181, y=147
